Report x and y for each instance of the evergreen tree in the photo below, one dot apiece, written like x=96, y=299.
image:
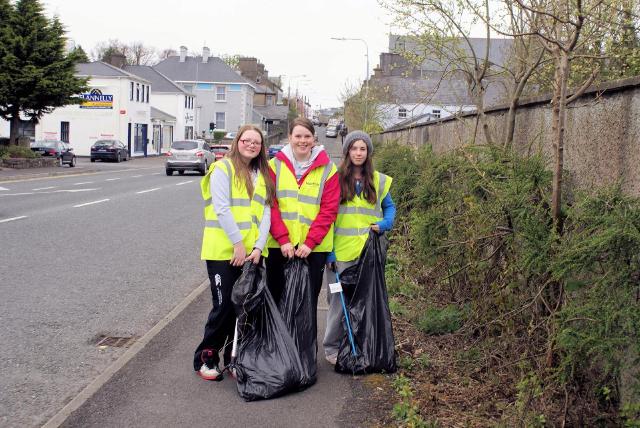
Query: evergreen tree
x=81, y=55
x=36, y=75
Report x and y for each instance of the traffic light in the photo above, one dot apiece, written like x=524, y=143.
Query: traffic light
x=212, y=126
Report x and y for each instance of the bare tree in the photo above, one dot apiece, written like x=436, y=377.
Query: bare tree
x=139, y=54
x=442, y=31
x=166, y=53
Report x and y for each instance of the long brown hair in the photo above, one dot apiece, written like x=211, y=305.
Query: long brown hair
x=348, y=180
x=260, y=162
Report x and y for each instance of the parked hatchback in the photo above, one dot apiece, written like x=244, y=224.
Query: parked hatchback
x=62, y=151
x=113, y=150
x=189, y=155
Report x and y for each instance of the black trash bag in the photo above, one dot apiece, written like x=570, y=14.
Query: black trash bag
x=299, y=313
x=368, y=307
x=267, y=364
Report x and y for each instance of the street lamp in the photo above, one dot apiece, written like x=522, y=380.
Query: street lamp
x=366, y=79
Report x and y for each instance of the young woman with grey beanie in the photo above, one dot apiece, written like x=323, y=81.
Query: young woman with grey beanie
x=365, y=203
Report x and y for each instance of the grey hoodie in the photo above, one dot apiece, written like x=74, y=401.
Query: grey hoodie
x=301, y=167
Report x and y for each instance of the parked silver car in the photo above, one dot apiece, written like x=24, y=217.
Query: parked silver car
x=189, y=155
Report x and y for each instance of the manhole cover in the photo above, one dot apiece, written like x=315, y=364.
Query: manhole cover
x=104, y=341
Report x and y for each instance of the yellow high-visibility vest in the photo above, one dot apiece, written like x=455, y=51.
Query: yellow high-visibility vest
x=355, y=218
x=247, y=213
x=300, y=206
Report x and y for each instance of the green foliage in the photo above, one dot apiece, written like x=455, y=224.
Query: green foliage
x=600, y=322
x=7, y=152
x=476, y=223
x=441, y=321
x=80, y=55
x=219, y=135
x=36, y=75
x=631, y=415
x=407, y=412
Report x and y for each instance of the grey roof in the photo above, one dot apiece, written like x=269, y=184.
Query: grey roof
x=102, y=69
x=159, y=82
x=431, y=89
x=499, y=49
x=160, y=115
x=261, y=89
x=193, y=69
x=276, y=112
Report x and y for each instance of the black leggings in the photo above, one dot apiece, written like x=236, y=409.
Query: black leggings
x=221, y=323
x=275, y=276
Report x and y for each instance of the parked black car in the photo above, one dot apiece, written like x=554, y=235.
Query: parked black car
x=109, y=150
x=62, y=151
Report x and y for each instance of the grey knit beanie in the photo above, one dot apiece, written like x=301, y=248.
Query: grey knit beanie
x=354, y=136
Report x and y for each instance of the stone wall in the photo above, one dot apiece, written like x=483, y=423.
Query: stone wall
x=22, y=163
x=602, y=134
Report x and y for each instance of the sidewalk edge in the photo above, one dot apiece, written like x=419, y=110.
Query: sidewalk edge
x=138, y=346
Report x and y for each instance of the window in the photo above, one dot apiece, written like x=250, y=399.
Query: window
x=269, y=100
x=435, y=114
x=402, y=113
x=142, y=93
x=221, y=93
x=64, y=131
x=186, y=101
x=220, y=121
x=131, y=92
x=147, y=94
x=137, y=92
x=188, y=132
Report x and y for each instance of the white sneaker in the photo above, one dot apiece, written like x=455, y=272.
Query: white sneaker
x=212, y=373
x=332, y=359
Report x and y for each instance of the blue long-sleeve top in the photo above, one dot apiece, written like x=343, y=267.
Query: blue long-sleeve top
x=388, y=217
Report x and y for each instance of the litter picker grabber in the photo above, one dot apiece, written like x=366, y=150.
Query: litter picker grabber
x=336, y=287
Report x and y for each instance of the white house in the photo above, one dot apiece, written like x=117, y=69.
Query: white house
x=223, y=96
x=117, y=106
x=173, y=112
x=429, y=90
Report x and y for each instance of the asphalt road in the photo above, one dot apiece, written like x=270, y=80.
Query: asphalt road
x=83, y=256
x=98, y=254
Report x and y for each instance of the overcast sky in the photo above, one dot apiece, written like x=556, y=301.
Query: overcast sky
x=290, y=37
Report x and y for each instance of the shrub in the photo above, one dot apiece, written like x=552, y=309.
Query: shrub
x=14, y=151
x=441, y=321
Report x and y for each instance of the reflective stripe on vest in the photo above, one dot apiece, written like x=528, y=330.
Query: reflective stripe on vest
x=246, y=214
x=298, y=208
x=355, y=218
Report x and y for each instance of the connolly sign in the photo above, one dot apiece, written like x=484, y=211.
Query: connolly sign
x=96, y=99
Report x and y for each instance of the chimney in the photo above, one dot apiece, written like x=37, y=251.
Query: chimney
x=117, y=59
x=183, y=53
x=205, y=54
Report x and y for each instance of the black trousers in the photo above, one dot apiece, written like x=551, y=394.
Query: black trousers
x=275, y=276
x=221, y=323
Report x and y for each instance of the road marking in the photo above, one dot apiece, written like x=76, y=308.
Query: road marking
x=156, y=173
x=150, y=190
x=3, y=188
x=84, y=182
x=136, y=176
x=184, y=182
x=13, y=218
x=112, y=179
x=44, y=188
x=72, y=190
x=48, y=193
x=90, y=203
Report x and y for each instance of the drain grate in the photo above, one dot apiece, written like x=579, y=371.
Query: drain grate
x=104, y=341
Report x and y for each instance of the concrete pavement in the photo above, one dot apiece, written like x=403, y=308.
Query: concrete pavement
x=158, y=388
